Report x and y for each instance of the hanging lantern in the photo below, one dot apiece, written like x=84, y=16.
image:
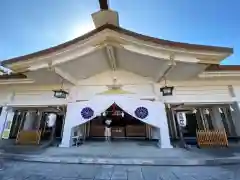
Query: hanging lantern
x=220, y=110
x=51, y=119
x=104, y=113
x=166, y=90
x=60, y=93
x=122, y=114
x=206, y=111
x=194, y=111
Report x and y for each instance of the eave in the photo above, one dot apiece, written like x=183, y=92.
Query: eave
x=218, y=71
x=178, y=46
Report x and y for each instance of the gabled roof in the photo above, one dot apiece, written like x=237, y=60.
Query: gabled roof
x=126, y=32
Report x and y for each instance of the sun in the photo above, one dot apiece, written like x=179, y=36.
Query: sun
x=80, y=29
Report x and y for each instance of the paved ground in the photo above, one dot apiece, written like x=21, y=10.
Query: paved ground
x=122, y=149
x=126, y=152
x=41, y=171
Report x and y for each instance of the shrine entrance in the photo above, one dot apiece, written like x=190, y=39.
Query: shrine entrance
x=130, y=117
x=123, y=126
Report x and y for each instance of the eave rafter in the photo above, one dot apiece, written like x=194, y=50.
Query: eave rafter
x=111, y=57
x=63, y=74
x=169, y=68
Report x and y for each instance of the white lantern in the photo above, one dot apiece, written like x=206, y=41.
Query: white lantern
x=220, y=110
x=194, y=111
x=51, y=119
x=104, y=113
x=207, y=111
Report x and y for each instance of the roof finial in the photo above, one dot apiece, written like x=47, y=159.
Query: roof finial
x=103, y=4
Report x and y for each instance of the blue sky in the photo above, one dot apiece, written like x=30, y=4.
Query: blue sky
x=30, y=25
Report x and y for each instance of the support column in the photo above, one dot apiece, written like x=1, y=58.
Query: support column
x=67, y=130
x=67, y=133
x=217, y=119
x=235, y=117
x=164, y=139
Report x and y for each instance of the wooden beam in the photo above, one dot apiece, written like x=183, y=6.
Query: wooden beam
x=111, y=57
x=167, y=71
x=65, y=76
x=103, y=4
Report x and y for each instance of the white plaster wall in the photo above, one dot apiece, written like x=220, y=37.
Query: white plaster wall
x=35, y=98
x=236, y=89
x=208, y=91
x=28, y=95
x=123, y=77
x=143, y=91
x=5, y=97
x=138, y=86
x=199, y=94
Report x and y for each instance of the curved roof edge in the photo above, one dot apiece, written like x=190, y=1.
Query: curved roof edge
x=124, y=31
x=215, y=67
x=12, y=76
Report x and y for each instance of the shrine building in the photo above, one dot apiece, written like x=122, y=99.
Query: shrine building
x=139, y=82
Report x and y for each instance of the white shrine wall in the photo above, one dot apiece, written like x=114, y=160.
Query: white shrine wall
x=198, y=91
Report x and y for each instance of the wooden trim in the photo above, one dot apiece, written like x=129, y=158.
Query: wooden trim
x=206, y=138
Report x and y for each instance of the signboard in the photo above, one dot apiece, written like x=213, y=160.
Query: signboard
x=7, y=125
x=181, y=118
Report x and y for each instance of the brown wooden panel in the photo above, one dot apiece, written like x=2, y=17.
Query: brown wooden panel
x=135, y=131
x=28, y=137
x=118, y=132
x=96, y=131
x=208, y=138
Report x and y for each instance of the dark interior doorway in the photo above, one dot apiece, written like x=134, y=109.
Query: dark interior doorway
x=17, y=122
x=191, y=127
x=59, y=126
x=189, y=130
x=125, y=126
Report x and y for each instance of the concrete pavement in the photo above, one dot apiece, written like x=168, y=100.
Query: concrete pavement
x=128, y=153
x=42, y=171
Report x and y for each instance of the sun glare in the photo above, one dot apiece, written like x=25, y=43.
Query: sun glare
x=80, y=29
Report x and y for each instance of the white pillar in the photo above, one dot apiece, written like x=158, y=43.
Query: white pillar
x=164, y=132
x=164, y=140
x=67, y=129
x=66, y=139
